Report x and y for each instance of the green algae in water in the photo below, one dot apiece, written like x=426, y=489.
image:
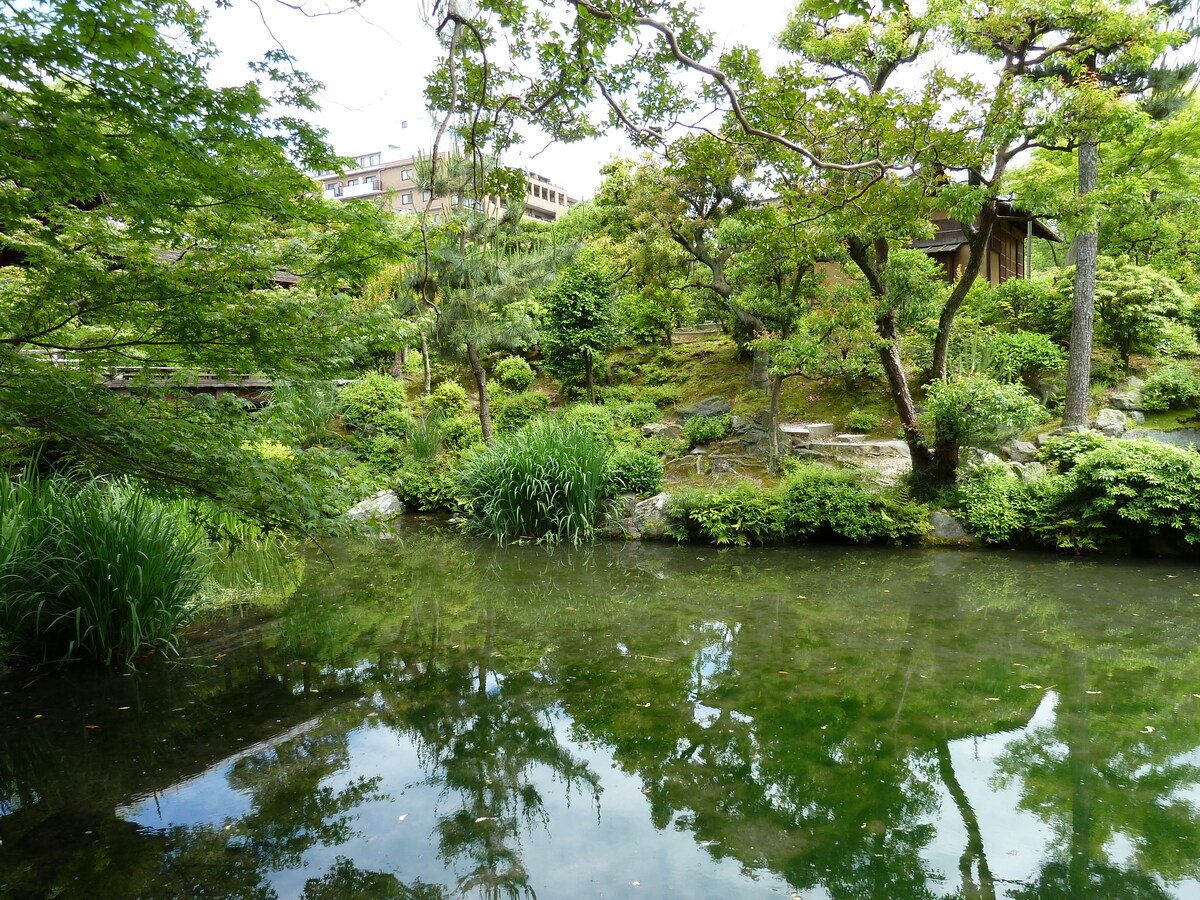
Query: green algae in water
x=437, y=717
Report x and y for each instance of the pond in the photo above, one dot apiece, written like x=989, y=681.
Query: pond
x=437, y=717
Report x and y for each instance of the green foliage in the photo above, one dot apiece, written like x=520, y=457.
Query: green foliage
x=543, y=483
x=1136, y=307
x=461, y=433
x=1023, y=355
x=637, y=414
x=93, y=569
x=598, y=421
x=706, y=429
x=514, y=411
x=376, y=401
x=448, y=399
x=427, y=488
x=633, y=471
x=977, y=411
x=578, y=321
x=514, y=373
x=1103, y=491
x=661, y=395
x=812, y=503
x=1173, y=386
x=301, y=413
x=863, y=420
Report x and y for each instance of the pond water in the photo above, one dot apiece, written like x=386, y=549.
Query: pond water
x=437, y=717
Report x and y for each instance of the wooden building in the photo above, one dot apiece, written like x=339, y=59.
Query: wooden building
x=1007, y=250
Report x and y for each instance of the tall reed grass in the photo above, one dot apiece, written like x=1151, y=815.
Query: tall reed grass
x=93, y=569
x=544, y=483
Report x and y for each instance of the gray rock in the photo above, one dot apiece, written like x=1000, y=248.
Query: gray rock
x=1126, y=400
x=1137, y=417
x=713, y=406
x=739, y=426
x=850, y=438
x=658, y=429
x=1133, y=383
x=1019, y=451
x=1108, y=418
x=947, y=527
x=1183, y=437
x=1047, y=389
x=974, y=457
x=383, y=506
x=650, y=518
x=1071, y=429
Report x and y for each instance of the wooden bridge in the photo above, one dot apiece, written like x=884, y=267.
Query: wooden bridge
x=129, y=380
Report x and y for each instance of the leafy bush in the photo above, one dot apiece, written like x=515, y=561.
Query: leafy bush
x=513, y=373
x=813, y=502
x=448, y=399
x=461, y=433
x=662, y=395
x=634, y=471
x=515, y=411
x=301, y=414
x=863, y=420
x=426, y=488
x=372, y=399
x=706, y=429
x=818, y=502
x=1172, y=386
x=1103, y=491
x=544, y=483
x=93, y=570
x=598, y=421
x=1023, y=355
x=977, y=411
x=394, y=422
x=637, y=414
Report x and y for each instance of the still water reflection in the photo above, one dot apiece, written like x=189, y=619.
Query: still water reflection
x=438, y=718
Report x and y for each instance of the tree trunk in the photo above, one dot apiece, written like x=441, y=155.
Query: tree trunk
x=428, y=389
x=1083, y=311
x=397, y=369
x=480, y=373
x=587, y=375
x=773, y=422
x=923, y=460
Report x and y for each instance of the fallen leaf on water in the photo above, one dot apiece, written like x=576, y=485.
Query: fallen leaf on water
x=801, y=597
x=635, y=883
x=1149, y=729
x=39, y=715
x=402, y=818
x=1033, y=687
x=91, y=726
x=709, y=843
x=484, y=819
x=782, y=672
x=1022, y=665
x=644, y=705
x=569, y=608
x=122, y=707
x=991, y=698
x=1092, y=692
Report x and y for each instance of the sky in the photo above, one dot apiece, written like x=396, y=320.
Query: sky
x=373, y=60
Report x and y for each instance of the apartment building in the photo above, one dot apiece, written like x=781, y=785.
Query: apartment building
x=394, y=182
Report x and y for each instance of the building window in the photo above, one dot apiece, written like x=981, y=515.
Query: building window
x=370, y=180
x=406, y=198
x=425, y=195
x=371, y=159
x=406, y=174
x=351, y=182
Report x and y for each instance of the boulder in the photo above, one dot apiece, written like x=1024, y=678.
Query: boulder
x=658, y=429
x=649, y=518
x=850, y=438
x=713, y=406
x=974, y=457
x=1019, y=451
x=1182, y=437
x=1111, y=422
x=947, y=527
x=383, y=506
x=1137, y=417
x=1126, y=400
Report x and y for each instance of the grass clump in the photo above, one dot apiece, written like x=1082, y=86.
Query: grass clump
x=542, y=483
x=94, y=570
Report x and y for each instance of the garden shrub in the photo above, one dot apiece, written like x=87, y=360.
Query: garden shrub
x=634, y=471
x=1024, y=355
x=373, y=398
x=637, y=414
x=543, y=483
x=514, y=411
x=819, y=502
x=863, y=420
x=461, y=433
x=975, y=410
x=95, y=570
x=1102, y=491
x=448, y=399
x=394, y=422
x=616, y=394
x=661, y=395
x=706, y=429
x=598, y=421
x=513, y=373
x=1173, y=386
x=740, y=515
x=426, y=488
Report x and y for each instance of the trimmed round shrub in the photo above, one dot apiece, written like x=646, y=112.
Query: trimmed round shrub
x=637, y=414
x=543, y=483
x=863, y=420
x=394, y=422
x=978, y=411
x=448, y=399
x=1023, y=355
x=634, y=472
x=427, y=488
x=514, y=373
x=371, y=399
x=706, y=429
x=596, y=420
x=460, y=433
x=515, y=411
